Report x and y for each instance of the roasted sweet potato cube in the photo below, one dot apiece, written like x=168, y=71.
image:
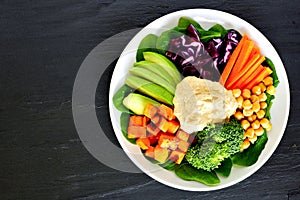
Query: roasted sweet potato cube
x=150, y=111
x=177, y=156
x=166, y=112
x=161, y=154
x=168, y=141
x=136, y=132
x=173, y=126
x=150, y=152
x=183, y=145
x=182, y=135
x=143, y=143
x=152, y=129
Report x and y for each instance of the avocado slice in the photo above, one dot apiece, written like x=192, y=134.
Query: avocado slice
x=151, y=76
x=165, y=63
x=149, y=88
x=137, y=103
x=156, y=69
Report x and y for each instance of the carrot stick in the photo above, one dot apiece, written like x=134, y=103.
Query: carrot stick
x=232, y=60
x=244, y=54
x=247, y=70
x=255, y=74
x=248, y=77
x=254, y=51
x=266, y=72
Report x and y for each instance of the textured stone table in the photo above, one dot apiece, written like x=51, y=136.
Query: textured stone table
x=43, y=44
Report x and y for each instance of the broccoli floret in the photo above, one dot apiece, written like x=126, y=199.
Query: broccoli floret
x=215, y=143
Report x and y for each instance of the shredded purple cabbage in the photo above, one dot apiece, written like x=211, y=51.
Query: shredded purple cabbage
x=193, y=58
x=221, y=49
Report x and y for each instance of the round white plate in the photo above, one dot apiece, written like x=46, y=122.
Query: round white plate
x=206, y=18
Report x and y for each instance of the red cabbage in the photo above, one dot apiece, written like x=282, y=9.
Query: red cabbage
x=190, y=56
x=221, y=49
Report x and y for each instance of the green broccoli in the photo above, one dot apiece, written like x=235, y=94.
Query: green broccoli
x=215, y=143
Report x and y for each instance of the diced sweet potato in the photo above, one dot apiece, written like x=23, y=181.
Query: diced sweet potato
x=177, y=156
x=161, y=154
x=166, y=112
x=153, y=139
x=168, y=141
x=150, y=152
x=183, y=145
x=150, y=111
x=152, y=129
x=182, y=135
x=144, y=143
x=173, y=126
x=136, y=120
x=136, y=131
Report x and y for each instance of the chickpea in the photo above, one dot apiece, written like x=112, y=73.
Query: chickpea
x=259, y=131
x=245, y=124
x=236, y=93
x=262, y=97
x=249, y=132
x=265, y=123
x=246, y=93
x=245, y=144
x=254, y=98
x=271, y=90
x=269, y=127
x=256, y=90
x=247, y=112
x=240, y=100
x=252, y=118
x=238, y=115
x=268, y=81
x=247, y=104
x=255, y=124
x=253, y=139
x=256, y=106
x=262, y=87
x=263, y=105
x=260, y=114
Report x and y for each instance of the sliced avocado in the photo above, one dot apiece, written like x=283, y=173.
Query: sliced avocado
x=137, y=103
x=149, y=88
x=156, y=69
x=148, y=43
x=151, y=76
x=165, y=63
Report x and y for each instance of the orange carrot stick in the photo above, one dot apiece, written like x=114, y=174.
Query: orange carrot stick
x=232, y=60
x=244, y=55
x=248, y=77
x=266, y=72
x=255, y=74
x=247, y=70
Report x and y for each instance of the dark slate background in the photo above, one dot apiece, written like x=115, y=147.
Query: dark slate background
x=42, y=45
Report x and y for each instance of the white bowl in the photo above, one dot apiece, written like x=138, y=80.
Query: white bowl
x=279, y=111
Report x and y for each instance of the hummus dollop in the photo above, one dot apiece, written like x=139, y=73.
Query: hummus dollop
x=198, y=102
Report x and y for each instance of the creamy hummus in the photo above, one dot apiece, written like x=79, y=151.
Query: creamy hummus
x=198, y=102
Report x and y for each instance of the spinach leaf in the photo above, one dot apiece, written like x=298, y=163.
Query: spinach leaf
x=184, y=22
x=225, y=168
x=124, y=119
x=274, y=73
x=249, y=156
x=269, y=103
x=169, y=165
x=189, y=173
x=148, y=43
x=164, y=39
x=119, y=96
x=220, y=29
